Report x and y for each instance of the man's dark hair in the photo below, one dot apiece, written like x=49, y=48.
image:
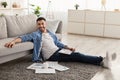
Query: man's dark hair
x=40, y=18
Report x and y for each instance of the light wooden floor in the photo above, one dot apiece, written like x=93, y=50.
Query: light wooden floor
x=97, y=46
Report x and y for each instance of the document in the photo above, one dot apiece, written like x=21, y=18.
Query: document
x=35, y=66
x=49, y=70
x=58, y=67
x=65, y=51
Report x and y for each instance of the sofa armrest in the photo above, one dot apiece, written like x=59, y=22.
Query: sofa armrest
x=59, y=29
x=59, y=36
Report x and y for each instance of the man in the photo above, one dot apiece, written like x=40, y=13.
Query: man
x=48, y=47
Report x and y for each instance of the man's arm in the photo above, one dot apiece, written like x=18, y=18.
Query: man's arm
x=13, y=42
x=60, y=44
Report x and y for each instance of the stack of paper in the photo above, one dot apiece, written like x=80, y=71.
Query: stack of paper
x=49, y=68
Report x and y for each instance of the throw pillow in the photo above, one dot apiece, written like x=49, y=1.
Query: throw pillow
x=52, y=25
x=22, y=24
x=3, y=29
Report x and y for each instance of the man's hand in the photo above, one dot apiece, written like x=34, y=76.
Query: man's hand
x=72, y=49
x=69, y=48
x=10, y=44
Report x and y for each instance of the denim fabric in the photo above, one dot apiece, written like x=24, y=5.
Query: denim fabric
x=36, y=38
x=76, y=57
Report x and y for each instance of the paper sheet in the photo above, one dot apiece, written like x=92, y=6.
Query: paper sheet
x=65, y=51
x=35, y=66
x=58, y=67
x=52, y=66
x=45, y=70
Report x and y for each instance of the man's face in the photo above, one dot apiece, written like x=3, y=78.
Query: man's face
x=41, y=25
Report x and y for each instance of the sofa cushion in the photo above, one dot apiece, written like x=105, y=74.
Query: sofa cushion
x=52, y=25
x=17, y=48
x=19, y=25
x=3, y=29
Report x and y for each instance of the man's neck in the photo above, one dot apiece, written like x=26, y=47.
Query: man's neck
x=45, y=31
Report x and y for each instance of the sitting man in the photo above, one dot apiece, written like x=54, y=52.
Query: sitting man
x=47, y=47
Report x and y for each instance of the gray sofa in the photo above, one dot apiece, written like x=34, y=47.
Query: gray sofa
x=14, y=26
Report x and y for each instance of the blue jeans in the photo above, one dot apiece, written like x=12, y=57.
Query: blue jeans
x=76, y=57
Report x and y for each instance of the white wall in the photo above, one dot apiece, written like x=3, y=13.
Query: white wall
x=60, y=7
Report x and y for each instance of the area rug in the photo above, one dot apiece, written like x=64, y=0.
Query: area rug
x=16, y=70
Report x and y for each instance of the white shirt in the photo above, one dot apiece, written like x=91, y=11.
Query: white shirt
x=48, y=46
